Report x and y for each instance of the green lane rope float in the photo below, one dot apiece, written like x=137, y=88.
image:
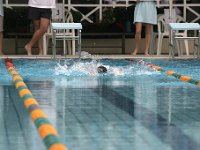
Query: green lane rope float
x=46, y=130
x=170, y=73
x=178, y=76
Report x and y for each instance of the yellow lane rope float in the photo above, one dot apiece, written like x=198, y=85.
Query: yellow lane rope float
x=46, y=130
x=170, y=73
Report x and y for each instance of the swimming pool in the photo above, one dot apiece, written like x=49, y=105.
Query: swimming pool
x=136, y=108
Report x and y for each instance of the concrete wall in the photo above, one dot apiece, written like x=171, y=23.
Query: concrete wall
x=129, y=46
x=9, y=46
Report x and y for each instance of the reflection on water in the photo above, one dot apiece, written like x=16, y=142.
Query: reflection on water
x=104, y=113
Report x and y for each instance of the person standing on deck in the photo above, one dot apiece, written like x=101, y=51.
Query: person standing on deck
x=1, y=27
x=40, y=13
x=145, y=13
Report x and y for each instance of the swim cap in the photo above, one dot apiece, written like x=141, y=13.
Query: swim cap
x=102, y=69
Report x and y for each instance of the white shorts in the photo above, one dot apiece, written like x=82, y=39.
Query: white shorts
x=145, y=12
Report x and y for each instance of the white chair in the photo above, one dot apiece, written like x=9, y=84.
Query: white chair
x=60, y=15
x=174, y=27
x=63, y=27
x=163, y=31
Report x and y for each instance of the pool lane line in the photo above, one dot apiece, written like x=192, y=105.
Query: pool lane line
x=46, y=130
x=169, y=73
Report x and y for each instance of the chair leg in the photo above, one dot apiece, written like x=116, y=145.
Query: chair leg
x=73, y=47
x=54, y=44
x=73, y=44
x=64, y=46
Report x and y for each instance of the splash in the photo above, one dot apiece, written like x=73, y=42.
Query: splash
x=77, y=68
x=89, y=68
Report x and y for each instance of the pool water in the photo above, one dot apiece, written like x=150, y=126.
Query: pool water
x=131, y=107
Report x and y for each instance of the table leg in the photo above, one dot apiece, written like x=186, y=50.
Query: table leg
x=173, y=43
x=54, y=44
x=79, y=42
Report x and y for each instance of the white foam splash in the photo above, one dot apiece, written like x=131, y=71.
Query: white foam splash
x=80, y=68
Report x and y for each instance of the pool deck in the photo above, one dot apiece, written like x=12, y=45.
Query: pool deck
x=100, y=56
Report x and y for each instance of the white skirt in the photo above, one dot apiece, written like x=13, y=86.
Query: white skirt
x=145, y=12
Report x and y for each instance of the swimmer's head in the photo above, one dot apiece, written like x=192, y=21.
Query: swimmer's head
x=102, y=69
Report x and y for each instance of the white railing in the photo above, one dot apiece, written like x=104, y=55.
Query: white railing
x=100, y=5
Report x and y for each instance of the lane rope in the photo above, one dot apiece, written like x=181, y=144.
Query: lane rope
x=169, y=72
x=45, y=129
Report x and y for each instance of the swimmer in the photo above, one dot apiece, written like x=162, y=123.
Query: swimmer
x=102, y=69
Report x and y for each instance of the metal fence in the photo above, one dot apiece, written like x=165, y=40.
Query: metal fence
x=98, y=7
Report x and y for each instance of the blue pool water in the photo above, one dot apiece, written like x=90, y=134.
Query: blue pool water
x=132, y=107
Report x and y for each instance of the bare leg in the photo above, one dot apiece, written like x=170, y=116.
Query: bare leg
x=43, y=26
x=137, y=37
x=1, y=43
x=148, y=28
x=37, y=26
